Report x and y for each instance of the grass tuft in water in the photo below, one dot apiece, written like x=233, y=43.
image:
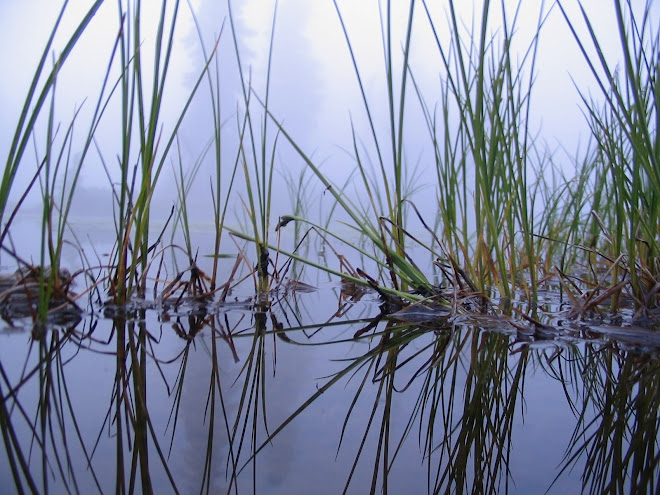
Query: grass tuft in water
x=625, y=130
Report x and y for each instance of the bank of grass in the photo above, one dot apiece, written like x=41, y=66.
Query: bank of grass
x=484, y=157
x=507, y=216
x=625, y=128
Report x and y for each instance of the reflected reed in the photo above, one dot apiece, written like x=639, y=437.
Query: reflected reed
x=458, y=392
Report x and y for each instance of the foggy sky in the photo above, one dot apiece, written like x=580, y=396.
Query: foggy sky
x=313, y=89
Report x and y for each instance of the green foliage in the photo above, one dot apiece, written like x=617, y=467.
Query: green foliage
x=488, y=154
x=506, y=213
x=256, y=157
x=627, y=134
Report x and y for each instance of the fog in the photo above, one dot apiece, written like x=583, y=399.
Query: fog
x=313, y=90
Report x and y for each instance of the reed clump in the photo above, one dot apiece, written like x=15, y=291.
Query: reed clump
x=506, y=220
x=510, y=219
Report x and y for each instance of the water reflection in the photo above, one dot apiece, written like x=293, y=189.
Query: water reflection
x=280, y=396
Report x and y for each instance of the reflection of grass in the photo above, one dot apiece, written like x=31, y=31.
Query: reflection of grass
x=465, y=448
x=465, y=393
x=53, y=434
x=456, y=391
x=618, y=422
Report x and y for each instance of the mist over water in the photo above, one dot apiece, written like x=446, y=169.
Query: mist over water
x=313, y=92
x=313, y=88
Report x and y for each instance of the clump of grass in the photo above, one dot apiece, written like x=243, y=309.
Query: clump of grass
x=489, y=97
x=501, y=218
x=483, y=135
x=626, y=132
x=141, y=108
x=145, y=147
x=55, y=170
x=256, y=157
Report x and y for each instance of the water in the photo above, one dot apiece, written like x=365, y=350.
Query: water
x=288, y=400
x=306, y=389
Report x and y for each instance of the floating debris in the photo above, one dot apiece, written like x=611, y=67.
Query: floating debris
x=20, y=296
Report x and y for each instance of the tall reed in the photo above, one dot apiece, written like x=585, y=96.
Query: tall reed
x=141, y=106
x=220, y=202
x=626, y=131
x=35, y=100
x=256, y=155
x=389, y=151
x=483, y=131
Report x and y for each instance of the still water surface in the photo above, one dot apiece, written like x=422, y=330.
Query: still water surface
x=284, y=398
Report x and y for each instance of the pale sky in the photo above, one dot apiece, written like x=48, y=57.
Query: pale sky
x=313, y=87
